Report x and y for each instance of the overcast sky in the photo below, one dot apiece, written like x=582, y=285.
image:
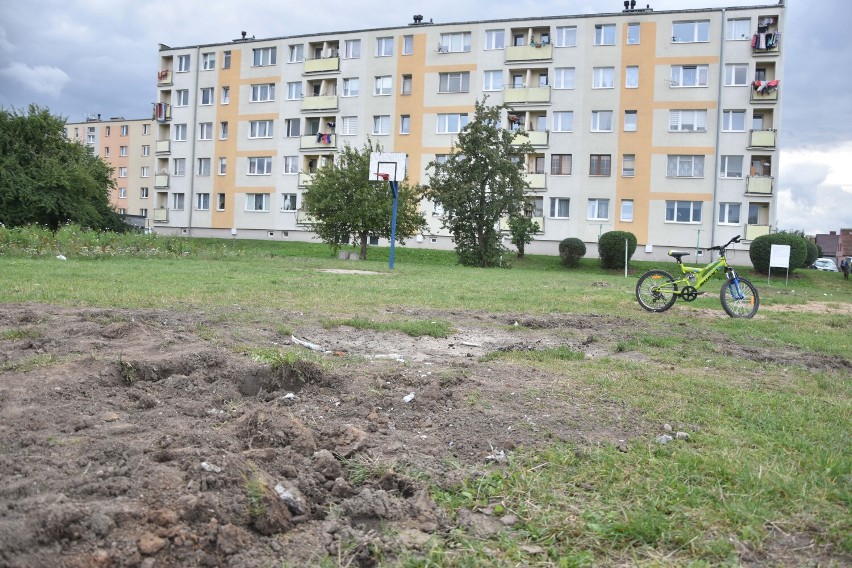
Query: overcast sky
x=84, y=57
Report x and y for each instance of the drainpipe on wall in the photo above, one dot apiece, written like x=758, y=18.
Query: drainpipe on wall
x=194, y=136
x=719, y=115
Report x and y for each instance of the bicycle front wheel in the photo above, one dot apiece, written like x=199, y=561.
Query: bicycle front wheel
x=739, y=302
x=656, y=291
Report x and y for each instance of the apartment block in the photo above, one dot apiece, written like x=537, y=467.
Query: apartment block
x=662, y=123
x=127, y=146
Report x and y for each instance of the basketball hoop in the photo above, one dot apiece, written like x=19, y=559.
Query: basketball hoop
x=385, y=177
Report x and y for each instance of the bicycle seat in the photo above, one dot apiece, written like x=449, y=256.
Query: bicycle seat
x=678, y=254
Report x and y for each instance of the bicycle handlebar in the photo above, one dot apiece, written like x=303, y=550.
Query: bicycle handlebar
x=721, y=248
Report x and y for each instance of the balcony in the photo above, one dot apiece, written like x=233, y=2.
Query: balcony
x=537, y=52
x=163, y=147
x=766, y=43
x=318, y=141
x=161, y=215
x=161, y=180
x=762, y=139
x=537, y=182
x=305, y=179
x=759, y=185
x=754, y=231
x=527, y=95
x=764, y=91
x=164, y=77
x=321, y=102
x=533, y=137
x=325, y=65
x=303, y=218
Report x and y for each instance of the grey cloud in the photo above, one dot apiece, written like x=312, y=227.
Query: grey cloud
x=41, y=79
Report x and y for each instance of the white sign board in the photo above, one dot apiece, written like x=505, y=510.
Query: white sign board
x=779, y=256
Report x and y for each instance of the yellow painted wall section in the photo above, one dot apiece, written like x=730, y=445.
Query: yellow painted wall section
x=412, y=105
x=227, y=148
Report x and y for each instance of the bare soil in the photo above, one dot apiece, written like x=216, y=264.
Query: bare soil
x=149, y=438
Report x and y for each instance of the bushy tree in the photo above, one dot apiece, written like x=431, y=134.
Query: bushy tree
x=611, y=248
x=349, y=208
x=761, y=249
x=48, y=180
x=522, y=230
x=571, y=250
x=813, y=253
x=480, y=183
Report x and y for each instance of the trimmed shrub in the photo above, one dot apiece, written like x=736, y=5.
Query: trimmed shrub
x=813, y=253
x=761, y=248
x=571, y=250
x=611, y=248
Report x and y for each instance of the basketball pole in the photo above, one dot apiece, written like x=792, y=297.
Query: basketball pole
x=394, y=185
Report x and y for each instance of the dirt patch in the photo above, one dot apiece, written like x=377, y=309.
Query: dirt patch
x=133, y=437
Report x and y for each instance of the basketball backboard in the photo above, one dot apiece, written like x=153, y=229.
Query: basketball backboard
x=387, y=166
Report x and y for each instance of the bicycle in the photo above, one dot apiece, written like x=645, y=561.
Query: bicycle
x=657, y=290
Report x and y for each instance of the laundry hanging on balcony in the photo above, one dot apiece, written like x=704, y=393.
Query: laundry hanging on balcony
x=765, y=40
x=765, y=87
x=323, y=138
x=162, y=112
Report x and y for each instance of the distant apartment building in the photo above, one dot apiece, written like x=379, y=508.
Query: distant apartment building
x=127, y=146
x=665, y=124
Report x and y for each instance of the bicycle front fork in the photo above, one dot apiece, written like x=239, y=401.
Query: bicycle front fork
x=734, y=285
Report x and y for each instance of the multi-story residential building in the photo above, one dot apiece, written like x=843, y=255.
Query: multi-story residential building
x=127, y=146
x=664, y=124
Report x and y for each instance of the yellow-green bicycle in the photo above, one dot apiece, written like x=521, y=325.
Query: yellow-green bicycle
x=657, y=290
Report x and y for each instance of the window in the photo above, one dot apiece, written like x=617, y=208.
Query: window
x=560, y=164
x=563, y=121
x=492, y=81
x=220, y=202
x=566, y=36
x=352, y=49
x=349, y=126
x=208, y=61
x=205, y=131
x=202, y=201
x=182, y=63
x=690, y=32
x=383, y=85
x=122, y=193
x=124, y=128
x=182, y=97
x=179, y=132
x=223, y=130
x=685, y=166
x=405, y=124
x=733, y=121
x=350, y=87
x=451, y=123
x=454, y=82
x=600, y=165
x=263, y=92
x=384, y=47
x=226, y=95
x=605, y=34
x=294, y=91
x=628, y=165
x=731, y=167
x=312, y=126
x=223, y=166
x=293, y=127
x=260, y=129
x=601, y=121
x=563, y=78
x=738, y=28
x=603, y=77
x=145, y=129
x=145, y=171
x=226, y=59
x=406, y=85
x=631, y=77
x=297, y=53
x=407, y=45
x=626, y=210
x=630, y=121
x=687, y=120
x=683, y=211
x=257, y=202
x=455, y=43
x=736, y=74
x=291, y=164
x=146, y=150
x=207, y=96
x=203, y=166
x=559, y=207
x=632, y=34
x=260, y=166
x=122, y=150
x=288, y=202
x=179, y=166
x=263, y=56
x=177, y=201
x=729, y=213
x=689, y=75
x=122, y=172
x=143, y=193
x=495, y=39
x=106, y=151
x=598, y=210
x=534, y=206
x=381, y=124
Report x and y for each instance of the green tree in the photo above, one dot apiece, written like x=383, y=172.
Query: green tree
x=48, y=180
x=522, y=229
x=349, y=208
x=760, y=250
x=480, y=183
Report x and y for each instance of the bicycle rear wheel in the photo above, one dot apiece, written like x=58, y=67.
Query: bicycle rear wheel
x=736, y=306
x=656, y=291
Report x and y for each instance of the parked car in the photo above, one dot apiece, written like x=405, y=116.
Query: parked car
x=825, y=264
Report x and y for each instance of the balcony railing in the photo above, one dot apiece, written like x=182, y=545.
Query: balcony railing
x=764, y=91
x=305, y=179
x=163, y=147
x=161, y=215
x=314, y=141
x=325, y=65
x=527, y=95
x=754, y=231
x=759, y=185
x=762, y=139
x=164, y=77
x=161, y=180
x=536, y=52
x=534, y=137
x=538, y=182
x=320, y=102
x=303, y=218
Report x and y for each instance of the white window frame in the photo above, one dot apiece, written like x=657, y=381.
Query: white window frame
x=183, y=63
x=631, y=77
x=725, y=165
x=728, y=120
x=205, y=131
x=726, y=211
x=288, y=202
x=563, y=121
x=676, y=209
x=202, y=201
x=626, y=211
x=181, y=97
x=628, y=165
x=631, y=120
x=264, y=56
x=122, y=172
x=226, y=95
x=294, y=91
x=452, y=123
x=261, y=90
x=455, y=42
x=223, y=130
x=495, y=39
x=492, y=80
x=222, y=167
x=208, y=61
x=702, y=73
x=259, y=166
x=407, y=44
x=566, y=36
x=145, y=171
x=678, y=164
x=260, y=129
x=352, y=49
x=597, y=209
x=179, y=132
x=349, y=126
x=736, y=75
x=179, y=166
x=207, y=96
x=291, y=164
x=564, y=77
x=226, y=59
x=405, y=84
x=602, y=121
x=738, y=29
x=203, y=167
x=257, y=202
x=634, y=39
x=384, y=46
x=691, y=31
x=296, y=53
x=146, y=150
x=603, y=77
x=351, y=87
x=122, y=150
x=605, y=34
x=143, y=193
x=383, y=86
x=688, y=120
x=381, y=124
x=405, y=124
x=556, y=206
x=178, y=201
x=292, y=127
x=454, y=82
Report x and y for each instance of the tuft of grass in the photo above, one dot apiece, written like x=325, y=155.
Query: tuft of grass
x=256, y=490
x=18, y=334
x=437, y=329
x=31, y=363
x=561, y=353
